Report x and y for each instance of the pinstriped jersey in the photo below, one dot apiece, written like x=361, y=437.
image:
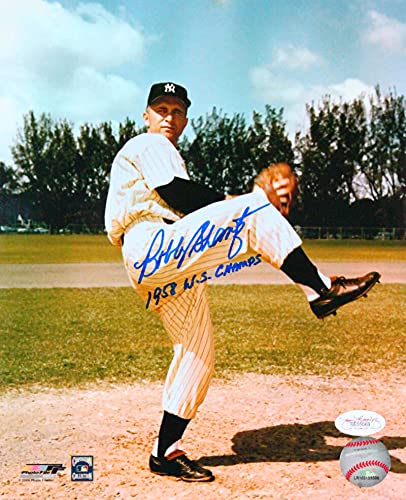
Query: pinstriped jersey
x=144, y=163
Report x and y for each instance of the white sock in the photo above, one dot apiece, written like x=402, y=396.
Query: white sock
x=310, y=293
x=325, y=279
x=173, y=447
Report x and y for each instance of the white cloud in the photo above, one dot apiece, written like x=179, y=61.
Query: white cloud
x=40, y=35
x=10, y=111
x=273, y=82
x=272, y=87
x=106, y=96
x=268, y=86
x=387, y=32
x=291, y=57
x=65, y=62
x=347, y=90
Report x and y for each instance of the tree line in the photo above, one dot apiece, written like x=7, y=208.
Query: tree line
x=350, y=162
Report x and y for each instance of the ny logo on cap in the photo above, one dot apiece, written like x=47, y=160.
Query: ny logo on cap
x=170, y=87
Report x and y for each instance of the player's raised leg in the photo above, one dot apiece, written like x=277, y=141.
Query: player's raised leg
x=229, y=230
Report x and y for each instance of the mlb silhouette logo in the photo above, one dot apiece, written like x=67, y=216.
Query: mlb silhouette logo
x=82, y=468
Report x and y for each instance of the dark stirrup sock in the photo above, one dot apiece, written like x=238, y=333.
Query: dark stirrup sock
x=301, y=270
x=172, y=429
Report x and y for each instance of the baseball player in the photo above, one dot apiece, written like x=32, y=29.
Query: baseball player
x=172, y=231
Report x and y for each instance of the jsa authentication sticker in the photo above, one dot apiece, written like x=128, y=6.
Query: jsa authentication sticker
x=360, y=422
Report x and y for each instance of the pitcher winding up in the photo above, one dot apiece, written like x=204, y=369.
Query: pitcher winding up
x=173, y=230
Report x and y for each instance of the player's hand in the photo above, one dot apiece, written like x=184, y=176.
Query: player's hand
x=280, y=185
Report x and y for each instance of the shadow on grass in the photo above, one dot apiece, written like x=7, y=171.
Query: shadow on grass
x=293, y=443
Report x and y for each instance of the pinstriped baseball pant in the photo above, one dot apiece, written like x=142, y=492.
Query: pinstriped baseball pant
x=185, y=314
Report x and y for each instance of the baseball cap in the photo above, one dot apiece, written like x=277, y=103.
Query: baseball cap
x=165, y=89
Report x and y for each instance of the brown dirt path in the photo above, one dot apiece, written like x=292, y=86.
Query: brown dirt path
x=264, y=437
x=108, y=274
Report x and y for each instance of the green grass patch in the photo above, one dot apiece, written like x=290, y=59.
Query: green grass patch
x=50, y=249
x=71, y=337
x=55, y=249
x=355, y=250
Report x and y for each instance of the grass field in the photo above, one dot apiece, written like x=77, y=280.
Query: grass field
x=65, y=337
x=48, y=249
x=62, y=337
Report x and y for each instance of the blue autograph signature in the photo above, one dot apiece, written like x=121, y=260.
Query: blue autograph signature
x=171, y=288
x=206, y=236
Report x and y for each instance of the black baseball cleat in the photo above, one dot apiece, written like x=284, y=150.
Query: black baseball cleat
x=342, y=291
x=177, y=464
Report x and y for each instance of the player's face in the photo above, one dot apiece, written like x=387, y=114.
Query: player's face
x=166, y=116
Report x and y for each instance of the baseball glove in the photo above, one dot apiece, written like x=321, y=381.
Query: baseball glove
x=280, y=185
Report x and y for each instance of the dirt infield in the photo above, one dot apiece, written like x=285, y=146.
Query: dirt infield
x=264, y=437
x=105, y=274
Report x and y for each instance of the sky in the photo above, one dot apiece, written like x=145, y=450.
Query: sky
x=95, y=61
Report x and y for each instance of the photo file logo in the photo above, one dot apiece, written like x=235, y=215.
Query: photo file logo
x=41, y=472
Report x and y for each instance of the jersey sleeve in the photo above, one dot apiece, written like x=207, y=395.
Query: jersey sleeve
x=160, y=162
x=143, y=163
x=188, y=196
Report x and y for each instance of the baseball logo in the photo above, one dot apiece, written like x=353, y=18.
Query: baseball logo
x=365, y=461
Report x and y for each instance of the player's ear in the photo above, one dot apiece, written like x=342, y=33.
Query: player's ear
x=145, y=117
